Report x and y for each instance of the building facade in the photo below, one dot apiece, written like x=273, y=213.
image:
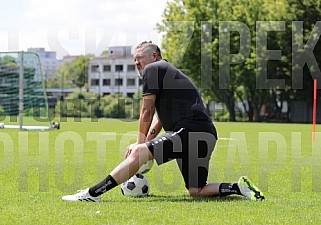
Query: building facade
x=49, y=61
x=115, y=73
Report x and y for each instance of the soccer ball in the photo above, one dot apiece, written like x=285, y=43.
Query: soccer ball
x=55, y=125
x=136, y=186
x=146, y=167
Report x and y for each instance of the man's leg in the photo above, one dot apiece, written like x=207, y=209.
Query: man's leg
x=215, y=189
x=126, y=169
x=243, y=187
x=194, y=168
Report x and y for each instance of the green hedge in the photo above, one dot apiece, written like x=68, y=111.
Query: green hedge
x=85, y=104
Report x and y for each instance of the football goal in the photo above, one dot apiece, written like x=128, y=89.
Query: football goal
x=23, y=100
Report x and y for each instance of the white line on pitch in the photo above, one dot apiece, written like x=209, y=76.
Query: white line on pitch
x=226, y=139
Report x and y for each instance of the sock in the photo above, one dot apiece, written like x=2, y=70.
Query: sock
x=102, y=187
x=229, y=189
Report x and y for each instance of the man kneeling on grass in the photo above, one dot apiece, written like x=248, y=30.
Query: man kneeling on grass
x=190, y=135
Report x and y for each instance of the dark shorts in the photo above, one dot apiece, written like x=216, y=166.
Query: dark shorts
x=191, y=149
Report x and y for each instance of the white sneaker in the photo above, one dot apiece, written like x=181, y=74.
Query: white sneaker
x=249, y=190
x=82, y=195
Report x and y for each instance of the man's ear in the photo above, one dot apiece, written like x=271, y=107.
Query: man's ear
x=155, y=56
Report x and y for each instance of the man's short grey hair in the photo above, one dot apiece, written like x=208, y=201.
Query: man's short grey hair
x=150, y=46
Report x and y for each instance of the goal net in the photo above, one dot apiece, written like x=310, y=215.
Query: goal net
x=23, y=100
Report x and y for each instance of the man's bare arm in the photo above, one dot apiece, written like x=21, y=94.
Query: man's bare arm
x=155, y=128
x=146, y=117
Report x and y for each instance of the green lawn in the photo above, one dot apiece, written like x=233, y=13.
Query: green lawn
x=37, y=168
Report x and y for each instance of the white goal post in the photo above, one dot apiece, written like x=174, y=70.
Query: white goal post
x=23, y=99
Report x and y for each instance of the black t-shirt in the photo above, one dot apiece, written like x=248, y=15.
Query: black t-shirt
x=178, y=102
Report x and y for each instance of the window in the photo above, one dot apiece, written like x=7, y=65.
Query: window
x=106, y=82
x=118, y=82
x=119, y=68
x=131, y=67
x=130, y=82
x=94, y=82
x=107, y=68
x=95, y=68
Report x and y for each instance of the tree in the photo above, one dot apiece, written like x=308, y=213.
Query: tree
x=78, y=71
x=53, y=82
x=74, y=73
x=191, y=42
x=205, y=37
x=105, y=53
x=256, y=87
x=305, y=14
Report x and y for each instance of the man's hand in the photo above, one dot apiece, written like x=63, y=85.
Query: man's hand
x=130, y=148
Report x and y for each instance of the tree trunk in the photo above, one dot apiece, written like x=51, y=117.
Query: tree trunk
x=232, y=112
x=231, y=105
x=250, y=113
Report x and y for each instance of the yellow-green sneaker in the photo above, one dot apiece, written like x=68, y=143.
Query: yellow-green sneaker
x=249, y=190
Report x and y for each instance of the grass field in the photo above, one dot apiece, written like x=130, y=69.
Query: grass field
x=37, y=168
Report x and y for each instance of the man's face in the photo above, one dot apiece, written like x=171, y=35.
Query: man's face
x=142, y=58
